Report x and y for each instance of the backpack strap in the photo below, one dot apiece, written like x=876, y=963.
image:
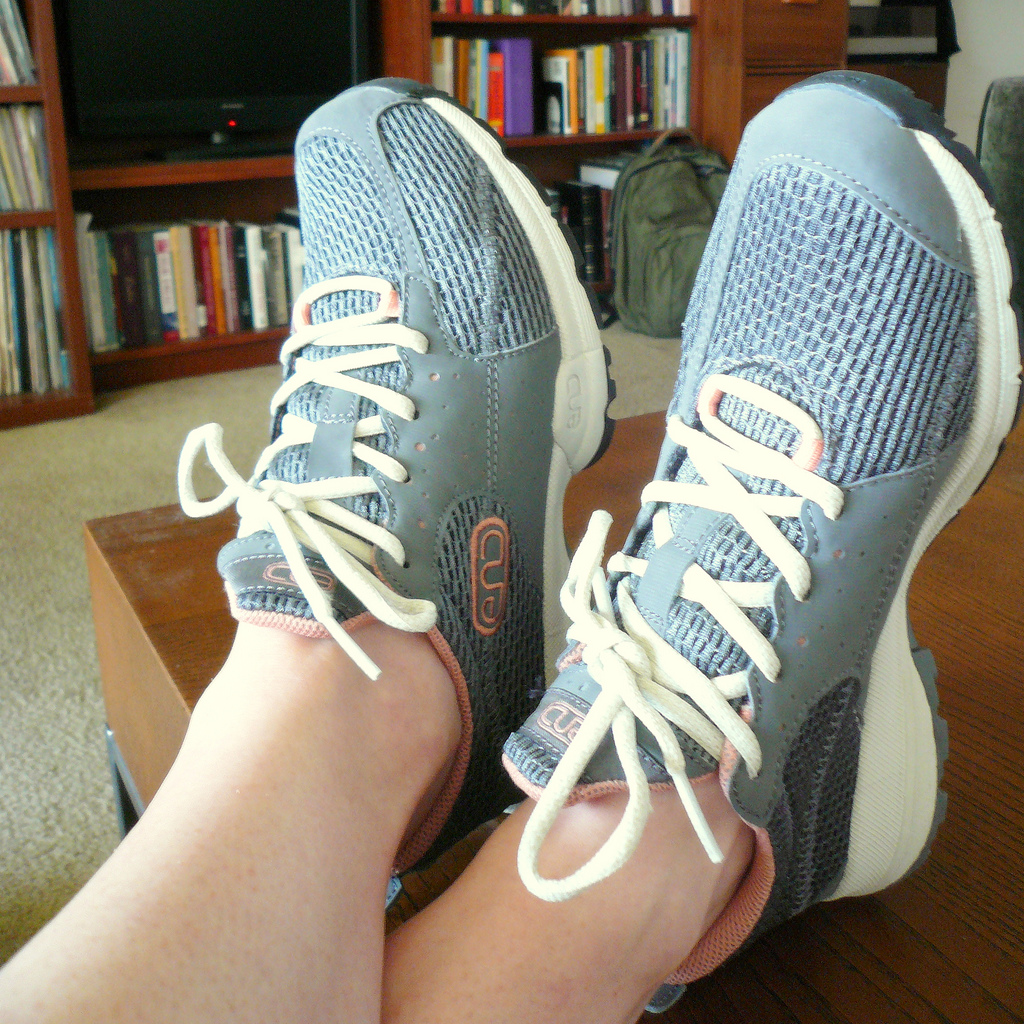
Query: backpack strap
x=669, y=133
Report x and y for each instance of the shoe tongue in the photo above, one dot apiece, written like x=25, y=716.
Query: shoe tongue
x=724, y=549
x=316, y=403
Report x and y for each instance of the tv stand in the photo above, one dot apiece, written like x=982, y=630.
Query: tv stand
x=223, y=146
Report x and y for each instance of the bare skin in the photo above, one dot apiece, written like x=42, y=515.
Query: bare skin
x=252, y=888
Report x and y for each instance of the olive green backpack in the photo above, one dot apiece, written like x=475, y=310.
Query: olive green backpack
x=662, y=208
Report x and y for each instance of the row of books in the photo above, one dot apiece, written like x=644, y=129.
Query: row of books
x=154, y=284
x=32, y=355
x=625, y=85
x=491, y=77
x=566, y=8
x=24, y=170
x=17, y=66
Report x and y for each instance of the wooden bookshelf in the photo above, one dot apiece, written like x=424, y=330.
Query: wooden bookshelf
x=19, y=410
x=743, y=53
x=132, y=190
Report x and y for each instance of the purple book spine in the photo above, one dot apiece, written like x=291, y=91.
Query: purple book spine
x=518, y=54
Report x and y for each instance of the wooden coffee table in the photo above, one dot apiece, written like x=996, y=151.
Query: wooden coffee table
x=946, y=944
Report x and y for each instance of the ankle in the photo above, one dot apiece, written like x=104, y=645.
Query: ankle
x=389, y=741
x=673, y=892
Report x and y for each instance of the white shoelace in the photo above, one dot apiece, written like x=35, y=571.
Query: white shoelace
x=306, y=513
x=642, y=677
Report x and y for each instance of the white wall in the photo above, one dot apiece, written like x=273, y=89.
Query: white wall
x=991, y=37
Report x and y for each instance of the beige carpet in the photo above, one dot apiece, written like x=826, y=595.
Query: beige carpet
x=57, y=821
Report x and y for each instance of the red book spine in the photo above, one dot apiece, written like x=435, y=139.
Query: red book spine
x=496, y=91
x=206, y=266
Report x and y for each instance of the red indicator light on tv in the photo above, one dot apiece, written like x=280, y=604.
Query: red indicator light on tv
x=232, y=124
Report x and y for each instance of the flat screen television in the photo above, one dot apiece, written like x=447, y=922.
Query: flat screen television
x=220, y=68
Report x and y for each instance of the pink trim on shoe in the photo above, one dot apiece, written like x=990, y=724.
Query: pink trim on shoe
x=589, y=791
x=734, y=925
x=420, y=841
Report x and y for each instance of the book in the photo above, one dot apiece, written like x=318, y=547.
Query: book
x=256, y=265
x=49, y=289
x=12, y=164
x=149, y=289
x=128, y=287
x=242, y=277
x=442, y=62
x=277, y=289
x=555, y=79
x=226, y=248
x=480, y=79
x=571, y=114
x=294, y=259
x=201, y=249
x=218, y=321
x=107, y=270
x=13, y=26
x=904, y=29
x=462, y=61
x=88, y=270
x=165, y=284
x=496, y=91
x=604, y=171
x=184, y=281
x=517, y=57
x=582, y=208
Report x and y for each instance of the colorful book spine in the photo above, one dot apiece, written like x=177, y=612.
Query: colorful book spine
x=517, y=58
x=165, y=284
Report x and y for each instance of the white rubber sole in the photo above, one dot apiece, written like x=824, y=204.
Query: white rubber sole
x=581, y=388
x=897, y=785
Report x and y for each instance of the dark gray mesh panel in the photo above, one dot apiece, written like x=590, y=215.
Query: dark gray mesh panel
x=501, y=671
x=810, y=827
x=493, y=295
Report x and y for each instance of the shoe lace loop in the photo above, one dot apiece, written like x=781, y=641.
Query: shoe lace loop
x=642, y=677
x=306, y=513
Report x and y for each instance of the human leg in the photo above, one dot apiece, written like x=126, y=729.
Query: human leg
x=443, y=381
x=252, y=888
x=487, y=950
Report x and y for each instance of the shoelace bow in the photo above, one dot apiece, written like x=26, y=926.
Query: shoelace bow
x=307, y=513
x=642, y=677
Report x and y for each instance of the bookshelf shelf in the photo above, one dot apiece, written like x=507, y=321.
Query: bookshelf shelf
x=24, y=410
x=614, y=21
x=77, y=398
x=177, y=348
x=540, y=141
x=21, y=94
x=131, y=366
x=27, y=219
x=192, y=172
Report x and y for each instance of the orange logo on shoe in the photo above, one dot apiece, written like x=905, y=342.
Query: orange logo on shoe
x=281, y=572
x=561, y=720
x=489, y=554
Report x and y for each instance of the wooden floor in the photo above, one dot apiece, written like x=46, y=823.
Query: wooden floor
x=945, y=946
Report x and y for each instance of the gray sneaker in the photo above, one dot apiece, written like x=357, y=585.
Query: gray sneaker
x=444, y=379
x=850, y=370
